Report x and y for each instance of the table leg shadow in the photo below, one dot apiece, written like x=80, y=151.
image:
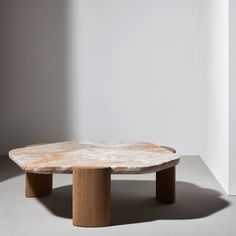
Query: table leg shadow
x=134, y=201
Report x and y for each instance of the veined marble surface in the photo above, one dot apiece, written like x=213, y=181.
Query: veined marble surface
x=122, y=157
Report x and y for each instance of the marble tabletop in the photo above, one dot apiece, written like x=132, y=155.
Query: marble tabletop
x=122, y=157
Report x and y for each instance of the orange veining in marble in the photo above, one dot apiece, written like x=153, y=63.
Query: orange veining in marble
x=122, y=157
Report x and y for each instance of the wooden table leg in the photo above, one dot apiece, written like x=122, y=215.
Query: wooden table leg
x=37, y=185
x=91, y=196
x=165, y=185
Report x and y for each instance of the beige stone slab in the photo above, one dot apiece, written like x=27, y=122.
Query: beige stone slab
x=122, y=157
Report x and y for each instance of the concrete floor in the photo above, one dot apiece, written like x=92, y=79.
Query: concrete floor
x=202, y=207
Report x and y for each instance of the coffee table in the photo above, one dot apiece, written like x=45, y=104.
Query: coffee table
x=92, y=164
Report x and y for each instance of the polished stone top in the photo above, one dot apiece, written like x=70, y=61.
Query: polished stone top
x=122, y=157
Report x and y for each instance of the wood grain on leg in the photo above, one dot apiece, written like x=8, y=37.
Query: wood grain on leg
x=91, y=196
x=37, y=185
x=165, y=185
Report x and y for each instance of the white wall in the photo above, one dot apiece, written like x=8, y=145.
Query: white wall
x=214, y=71
x=232, y=97
x=217, y=69
x=110, y=70
x=135, y=72
x=32, y=72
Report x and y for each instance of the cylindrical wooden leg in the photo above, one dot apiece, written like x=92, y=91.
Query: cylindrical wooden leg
x=37, y=185
x=165, y=185
x=91, y=196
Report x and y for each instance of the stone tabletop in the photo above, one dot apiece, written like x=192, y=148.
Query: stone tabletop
x=122, y=157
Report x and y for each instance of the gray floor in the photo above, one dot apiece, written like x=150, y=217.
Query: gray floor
x=202, y=207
